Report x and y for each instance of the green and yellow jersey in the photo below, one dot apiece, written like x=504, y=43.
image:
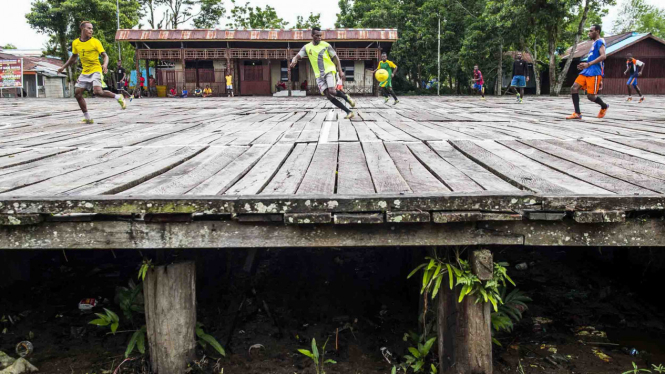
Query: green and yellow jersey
x=320, y=56
x=388, y=66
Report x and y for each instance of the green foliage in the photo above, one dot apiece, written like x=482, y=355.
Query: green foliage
x=182, y=11
x=417, y=359
x=437, y=269
x=313, y=20
x=509, y=312
x=248, y=17
x=9, y=46
x=319, y=359
x=109, y=319
x=638, y=15
x=205, y=339
x=145, y=266
x=130, y=299
x=137, y=341
x=635, y=370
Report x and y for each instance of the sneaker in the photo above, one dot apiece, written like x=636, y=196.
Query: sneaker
x=629, y=99
x=87, y=121
x=385, y=101
x=641, y=99
x=351, y=101
x=350, y=115
x=131, y=97
x=396, y=101
x=602, y=112
x=122, y=103
x=518, y=98
x=574, y=116
x=520, y=101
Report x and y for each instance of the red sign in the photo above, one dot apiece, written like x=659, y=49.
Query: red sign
x=11, y=72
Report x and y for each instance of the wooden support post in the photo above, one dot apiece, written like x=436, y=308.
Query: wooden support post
x=147, y=75
x=464, y=329
x=136, y=62
x=170, y=313
x=289, y=76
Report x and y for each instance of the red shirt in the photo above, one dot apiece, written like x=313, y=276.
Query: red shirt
x=479, y=76
x=142, y=81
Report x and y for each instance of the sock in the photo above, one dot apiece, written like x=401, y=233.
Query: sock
x=576, y=103
x=86, y=115
x=117, y=97
x=339, y=105
x=600, y=102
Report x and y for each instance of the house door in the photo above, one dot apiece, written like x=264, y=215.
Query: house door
x=255, y=78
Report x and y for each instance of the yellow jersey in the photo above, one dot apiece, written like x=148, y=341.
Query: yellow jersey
x=88, y=53
x=320, y=57
x=207, y=91
x=229, y=80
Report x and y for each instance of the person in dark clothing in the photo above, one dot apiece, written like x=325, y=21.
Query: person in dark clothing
x=520, y=76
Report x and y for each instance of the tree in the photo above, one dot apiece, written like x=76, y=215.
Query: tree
x=312, y=21
x=637, y=15
x=182, y=11
x=9, y=46
x=150, y=8
x=247, y=17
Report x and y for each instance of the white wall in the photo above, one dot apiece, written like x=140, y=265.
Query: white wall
x=53, y=87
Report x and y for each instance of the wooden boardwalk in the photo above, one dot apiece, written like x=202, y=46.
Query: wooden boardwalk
x=265, y=146
x=268, y=172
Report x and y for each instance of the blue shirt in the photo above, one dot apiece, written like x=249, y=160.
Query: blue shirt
x=594, y=53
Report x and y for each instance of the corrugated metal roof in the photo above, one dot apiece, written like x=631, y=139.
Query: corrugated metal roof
x=255, y=35
x=613, y=44
x=621, y=44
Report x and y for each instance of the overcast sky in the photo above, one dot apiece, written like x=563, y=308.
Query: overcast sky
x=14, y=29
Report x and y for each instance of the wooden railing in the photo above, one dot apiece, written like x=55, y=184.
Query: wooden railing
x=178, y=54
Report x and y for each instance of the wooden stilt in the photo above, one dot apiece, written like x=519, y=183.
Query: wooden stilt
x=464, y=329
x=170, y=311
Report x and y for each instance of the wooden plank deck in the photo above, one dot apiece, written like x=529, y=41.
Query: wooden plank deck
x=266, y=146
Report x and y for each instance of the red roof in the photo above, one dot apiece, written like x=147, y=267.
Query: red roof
x=256, y=35
x=30, y=63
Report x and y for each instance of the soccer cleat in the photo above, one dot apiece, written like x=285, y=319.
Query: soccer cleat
x=122, y=103
x=602, y=112
x=87, y=121
x=629, y=99
x=349, y=115
x=518, y=98
x=396, y=101
x=641, y=99
x=385, y=101
x=520, y=101
x=574, y=116
x=351, y=101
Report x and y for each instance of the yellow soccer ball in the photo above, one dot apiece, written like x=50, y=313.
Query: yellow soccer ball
x=381, y=75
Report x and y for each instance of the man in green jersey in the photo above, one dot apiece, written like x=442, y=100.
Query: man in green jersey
x=387, y=85
x=326, y=66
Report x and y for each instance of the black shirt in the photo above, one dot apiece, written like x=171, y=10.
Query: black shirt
x=520, y=68
x=121, y=73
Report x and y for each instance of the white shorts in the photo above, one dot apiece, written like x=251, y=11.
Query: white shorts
x=326, y=81
x=88, y=81
x=229, y=86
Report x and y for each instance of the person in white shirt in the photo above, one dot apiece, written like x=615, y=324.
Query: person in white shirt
x=635, y=68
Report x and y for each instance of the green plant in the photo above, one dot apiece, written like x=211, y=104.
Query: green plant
x=636, y=370
x=509, y=312
x=461, y=275
x=137, y=340
x=319, y=360
x=145, y=266
x=659, y=369
x=416, y=360
x=205, y=339
x=109, y=319
x=130, y=299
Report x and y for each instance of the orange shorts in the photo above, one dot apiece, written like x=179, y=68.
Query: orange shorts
x=589, y=84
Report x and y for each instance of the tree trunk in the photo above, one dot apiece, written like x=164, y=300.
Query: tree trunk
x=170, y=313
x=551, y=49
x=499, y=72
x=569, y=61
x=464, y=329
x=536, y=69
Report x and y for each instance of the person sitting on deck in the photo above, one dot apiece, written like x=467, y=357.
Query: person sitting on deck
x=184, y=93
x=207, y=92
x=198, y=92
x=172, y=92
x=280, y=86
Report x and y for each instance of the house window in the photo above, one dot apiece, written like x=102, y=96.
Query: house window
x=284, y=72
x=349, y=70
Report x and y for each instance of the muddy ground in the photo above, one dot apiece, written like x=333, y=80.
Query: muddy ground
x=359, y=299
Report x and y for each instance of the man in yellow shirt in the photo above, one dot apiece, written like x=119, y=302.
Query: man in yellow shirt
x=326, y=65
x=88, y=49
x=229, y=83
x=207, y=92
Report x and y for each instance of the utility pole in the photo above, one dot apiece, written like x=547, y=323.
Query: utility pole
x=438, y=64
